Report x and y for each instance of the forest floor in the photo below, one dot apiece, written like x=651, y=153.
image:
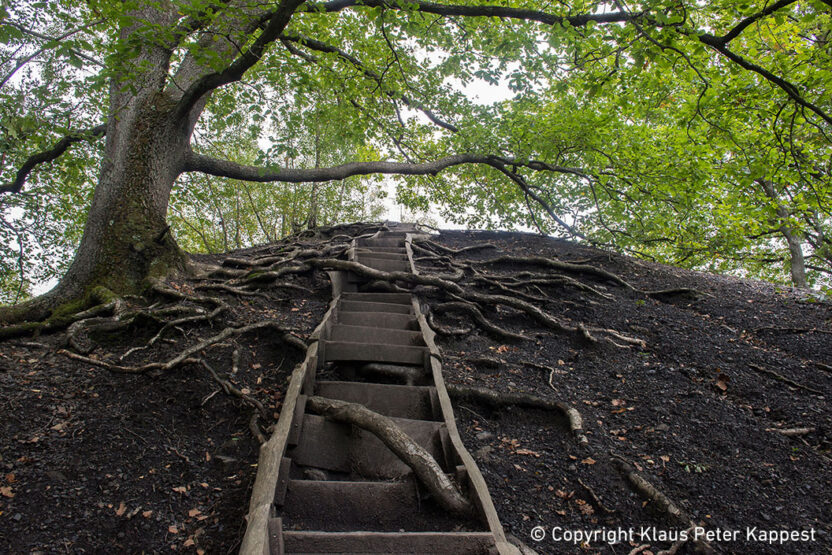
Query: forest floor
x=96, y=460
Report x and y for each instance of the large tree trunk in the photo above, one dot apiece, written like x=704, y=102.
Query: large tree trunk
x=126, y=238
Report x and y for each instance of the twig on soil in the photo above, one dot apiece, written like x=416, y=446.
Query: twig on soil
x=780, y=377
x=424, y=466
x=791, y=432
x=791, y=330
x=679, y=543
x=596, y=499
x=662, y=502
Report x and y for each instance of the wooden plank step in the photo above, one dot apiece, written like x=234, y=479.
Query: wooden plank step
x=337, y=505
x=435, y=543
x=364, y=334
x=332, y=351
x=368, y=253
x=384, y=265
x=378, y=320
x=338, y=447
x=400, y=401
x=364, y=306
x=392, y=298
x=394, y=250
x=373, y=242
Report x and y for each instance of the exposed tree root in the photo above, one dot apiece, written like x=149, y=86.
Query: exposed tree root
x=230, y=289
x=498, y=399
x=449, y=250
x=579, y=331
x=410, y=375
x=231, y=389
x=556, y=265
x=103, y=301
x=780, y=377
x=424, y=466
x=659, y=500
x=474, y=312
x=186, y=355
x=444, y=330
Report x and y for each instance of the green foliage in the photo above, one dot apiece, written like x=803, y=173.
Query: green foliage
x=661, y=145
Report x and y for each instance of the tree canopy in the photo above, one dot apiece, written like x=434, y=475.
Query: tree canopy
x=696, y=133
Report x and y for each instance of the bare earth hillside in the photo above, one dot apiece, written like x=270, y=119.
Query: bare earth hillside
x=704, y=401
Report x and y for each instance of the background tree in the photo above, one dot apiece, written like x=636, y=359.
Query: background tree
x=568, y=148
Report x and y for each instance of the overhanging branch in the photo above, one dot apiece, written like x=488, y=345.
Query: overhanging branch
x=49, y=155
x=225, y=168
x=580, y=20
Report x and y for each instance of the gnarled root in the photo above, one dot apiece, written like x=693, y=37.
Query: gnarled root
x=525, y=400
x=417, y=458
x=482, y=321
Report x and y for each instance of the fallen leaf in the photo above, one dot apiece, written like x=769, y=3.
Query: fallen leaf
x=502, y=349
x=245, y=391
x=204, y=484
x=6, y=492
x=189, y=542
x=10, y=478
x=722, y=382
x=121, y=509
x=665, y=458
x=180, y=489
x=194, y=512
x=147, y=514
x=618, y=402
x=588, y=460
x=256, y=365
x=528, y=452
x=173, y=530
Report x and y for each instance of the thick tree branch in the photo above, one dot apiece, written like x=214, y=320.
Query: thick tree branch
x=742, y=25
x=272, y=29
x=233, y=170
x=791, y=90
x=478, y=11
x=49, y=155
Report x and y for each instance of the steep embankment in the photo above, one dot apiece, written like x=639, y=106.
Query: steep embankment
x=95, y=459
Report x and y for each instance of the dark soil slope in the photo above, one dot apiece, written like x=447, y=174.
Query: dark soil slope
x=96, y=460
x=698, y=412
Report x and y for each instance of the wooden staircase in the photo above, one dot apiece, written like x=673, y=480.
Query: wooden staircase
x=339, y=489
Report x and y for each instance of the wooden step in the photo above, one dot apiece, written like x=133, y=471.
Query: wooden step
x=384, y=265
x=390, y=298
x=331, y=351
x=364, y=306
x=296, y=542
x=378, y=320
x=394, y=250
x=346, y=506
x=364, y=334
x=401, y=401
x=369, y=253
x=373, y=242
x=338, y=447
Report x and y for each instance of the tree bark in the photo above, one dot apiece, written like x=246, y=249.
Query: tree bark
x=797, y=264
